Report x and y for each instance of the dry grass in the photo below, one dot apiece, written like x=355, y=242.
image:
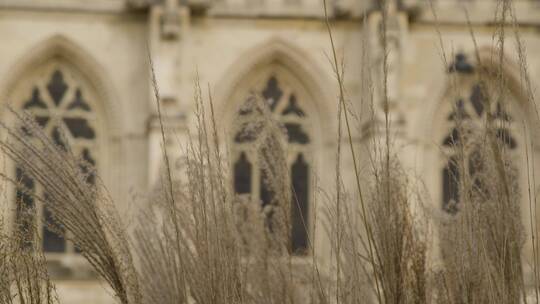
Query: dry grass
x=207, y=244
x=390, y=254
x=85, y=210
x=482, y=244
x=199, y=242
x=23, y=274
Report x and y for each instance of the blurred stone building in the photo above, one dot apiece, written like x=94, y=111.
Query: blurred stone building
x=82, y=68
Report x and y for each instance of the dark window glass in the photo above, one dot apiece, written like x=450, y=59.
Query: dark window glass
x=25, y=205
x=299, y=205
x=478, y=99
x=52, y=241
x=79, y=128
x=296, y=134
x=461, y=65
x=474, y=164
x=451, y=186
x=87, y=167
x=248, y=132
x=247, y=107
x=505, y=137
x=293, y=108
x=272, y=93
x=459, y=111
x=266, y=193
x=500, y=113
x=79, y=102
x=41, y=120
x=88, y=157
x=242, y=175
x=57, y=87
x=452, y=139
x=35, y=101
x=476, y=170
x=58, y=139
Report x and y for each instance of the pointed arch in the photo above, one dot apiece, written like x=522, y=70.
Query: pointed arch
x=59, y=47
x=442, y=105
x=277, y=51
x=69, y=95
x=428, y=126
x=291, y=84
x=459, y=95
x=489, y=64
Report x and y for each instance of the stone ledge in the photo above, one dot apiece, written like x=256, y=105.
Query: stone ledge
x=480, y=12
x=94, y=6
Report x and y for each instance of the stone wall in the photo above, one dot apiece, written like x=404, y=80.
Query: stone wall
x=225, y=43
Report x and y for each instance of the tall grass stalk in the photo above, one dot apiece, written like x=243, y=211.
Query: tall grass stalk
x=23, y=273
x=395, y=254
x=484, y=240
x=83, y=210
x=229, y=250
x=197, y=241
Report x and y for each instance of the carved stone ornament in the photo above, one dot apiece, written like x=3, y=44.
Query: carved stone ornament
x=393, y=46
x=396, y=27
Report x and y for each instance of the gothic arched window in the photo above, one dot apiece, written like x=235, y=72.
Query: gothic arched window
x=465, y=119
x=62, y=104
x=284, y=103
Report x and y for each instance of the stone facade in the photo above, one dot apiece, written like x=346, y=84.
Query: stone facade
x=236, y=46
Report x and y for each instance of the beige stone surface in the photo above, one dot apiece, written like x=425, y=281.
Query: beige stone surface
x=233, y=42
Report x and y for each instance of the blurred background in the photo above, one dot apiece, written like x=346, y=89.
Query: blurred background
x=82, y=68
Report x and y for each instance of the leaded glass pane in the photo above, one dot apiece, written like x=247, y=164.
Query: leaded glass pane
x=52, y=241
x=451, y=186
x=293, y=108
x=58, y=138
x=476, y=172
x=78, y=102
x=77, y=120
x=266, y=194
x=41, y=120
x=57, y=87
x=500, y=113
x=272, y=93
x=87, y=167
x=79, y=128
x=452, y=139
x=299, y=205
x=284, y=103
x=35, y=101
x=461, y=65
x=459, y=112
x=248, y=132
x=478, y=99
x=24, y=201
x=296, y=133
x=506, y=138
x=242, y=175
x=468, y=136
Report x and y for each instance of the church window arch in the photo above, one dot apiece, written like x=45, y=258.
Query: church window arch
x=473, y=103
x=64, y=103
x=287, y=101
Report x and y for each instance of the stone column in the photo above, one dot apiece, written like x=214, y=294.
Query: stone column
x=168, y=24
x=387, y=39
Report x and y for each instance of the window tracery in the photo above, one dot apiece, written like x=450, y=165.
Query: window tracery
x=467, y=117
x=61, y=104
x=249, y=178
